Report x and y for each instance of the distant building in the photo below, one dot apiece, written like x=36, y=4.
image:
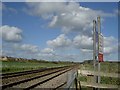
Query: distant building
x=3, y=58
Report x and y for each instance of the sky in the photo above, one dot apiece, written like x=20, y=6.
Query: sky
x=57, y=31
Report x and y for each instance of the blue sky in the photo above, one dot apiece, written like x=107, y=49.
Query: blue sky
x=57, y=31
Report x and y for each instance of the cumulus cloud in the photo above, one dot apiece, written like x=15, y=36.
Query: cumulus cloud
x=83, y=42
x=27, y=51
x=7, y=53
x=110, y=41
x=68, y=16
x=110, y=50
x=72, y=17
x=110, y=45
x=86, y=50
x=27, y=48
x=10, y=33
x=47, y=50
x=60, y=41
x=53, y=22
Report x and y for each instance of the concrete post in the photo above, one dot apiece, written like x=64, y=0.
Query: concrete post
x=99, y=32
x=94, y=49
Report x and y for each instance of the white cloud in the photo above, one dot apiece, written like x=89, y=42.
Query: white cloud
x=10, y=34
x=110, y=41
x=87, y=50
x=110, y=50
x=52, y=23
x=83, y=42
x=110, y=45
x=68, y=16
x=44, y=8
x=47, y=50
x=7, y=53
x=60, y=41
x=27, y=48
x=72, y=17
x=20, y=50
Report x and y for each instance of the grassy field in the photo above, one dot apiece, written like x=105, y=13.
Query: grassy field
x=14, y=66
x=107, y=67
x=104, y=80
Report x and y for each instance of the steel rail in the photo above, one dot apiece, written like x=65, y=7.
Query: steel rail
x=8, y=75
x=41, y=82
x=60, y=86
x=29, y=79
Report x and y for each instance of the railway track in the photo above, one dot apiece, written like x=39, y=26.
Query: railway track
x=8, y=75
x=33, y=79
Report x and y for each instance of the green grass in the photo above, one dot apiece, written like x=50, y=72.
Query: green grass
x=14, y=66
x=104, y=80
x=110, y=80
x=105, y=67
x=83, y=78
x=109, y=67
